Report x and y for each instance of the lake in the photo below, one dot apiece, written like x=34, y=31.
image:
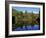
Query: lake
x=27, y=27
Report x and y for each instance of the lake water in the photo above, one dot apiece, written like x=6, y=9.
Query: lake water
x=27, y=27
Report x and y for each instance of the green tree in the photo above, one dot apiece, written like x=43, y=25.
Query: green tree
x=33, y=17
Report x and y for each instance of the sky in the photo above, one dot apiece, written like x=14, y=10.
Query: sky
x=29, y=9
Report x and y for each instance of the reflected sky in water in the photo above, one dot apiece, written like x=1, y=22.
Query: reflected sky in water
x=27, y=27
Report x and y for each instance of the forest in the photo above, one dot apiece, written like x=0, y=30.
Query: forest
x=24, y=18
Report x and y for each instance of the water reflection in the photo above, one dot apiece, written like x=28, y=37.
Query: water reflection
x=27, y=27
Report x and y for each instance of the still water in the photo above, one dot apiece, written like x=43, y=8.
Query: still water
x=27, y=27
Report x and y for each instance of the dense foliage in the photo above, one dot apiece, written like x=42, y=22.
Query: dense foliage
x=24, y=18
